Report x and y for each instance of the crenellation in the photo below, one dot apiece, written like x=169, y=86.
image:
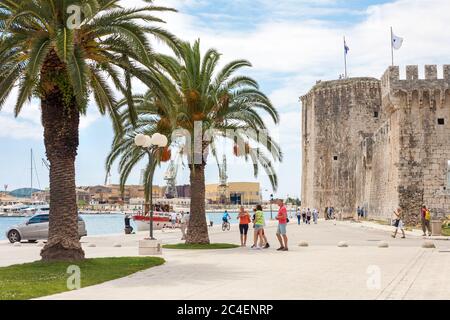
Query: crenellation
x=412, y=72
x=431, y=72
x=447, y=72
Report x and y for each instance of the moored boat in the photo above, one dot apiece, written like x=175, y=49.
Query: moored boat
x=160, y=221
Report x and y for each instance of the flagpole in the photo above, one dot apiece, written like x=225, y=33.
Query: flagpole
x=345, y=58
x=392, y=46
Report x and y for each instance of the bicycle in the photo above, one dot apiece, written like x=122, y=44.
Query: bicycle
x=226, y=226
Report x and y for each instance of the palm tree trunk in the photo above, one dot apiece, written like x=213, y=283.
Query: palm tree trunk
x=60, y=118
x=197, y=229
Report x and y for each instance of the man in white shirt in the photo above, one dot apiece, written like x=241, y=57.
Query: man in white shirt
x=184, y=224
x=173, y=218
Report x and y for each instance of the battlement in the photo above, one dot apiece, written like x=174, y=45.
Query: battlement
x=340, y=86
x=391, y=78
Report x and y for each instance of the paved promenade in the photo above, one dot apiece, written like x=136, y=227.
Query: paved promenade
x=320, y=271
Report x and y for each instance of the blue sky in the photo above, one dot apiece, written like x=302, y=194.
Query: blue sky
x=291, y=43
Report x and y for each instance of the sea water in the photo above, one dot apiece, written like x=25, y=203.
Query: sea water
x=101, y=224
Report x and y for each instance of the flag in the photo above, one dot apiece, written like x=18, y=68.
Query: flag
x=346, y=48
x=397, y=42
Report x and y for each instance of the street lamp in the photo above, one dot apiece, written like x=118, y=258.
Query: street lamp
x=150, y=144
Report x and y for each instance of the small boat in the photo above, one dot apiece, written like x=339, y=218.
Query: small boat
x=160, y=221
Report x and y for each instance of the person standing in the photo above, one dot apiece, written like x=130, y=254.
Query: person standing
x=184, y=224
x=259, y=227
x=315, y=215
x=398, y=223
x=282, y=223
x=128, y=227
x=173, y=219
x=299, y=215
x=308, y=216
x=244, y=220
x=304, y=215
x=358, y=212
x=425, y=219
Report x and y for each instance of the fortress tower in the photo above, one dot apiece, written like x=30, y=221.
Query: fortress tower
x=337, y=115
x=391, y=139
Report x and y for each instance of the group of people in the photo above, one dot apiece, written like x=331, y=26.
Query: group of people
x=306, y=214
x=425, y=219
x=259, y=222
x=361, y=212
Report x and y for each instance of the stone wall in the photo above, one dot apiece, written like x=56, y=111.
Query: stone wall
x=337, y=115
x=422, y=107
x=395, y=158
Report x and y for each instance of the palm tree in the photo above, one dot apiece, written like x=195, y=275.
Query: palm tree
x=155, y=114
x=46, y=55
x=197, y=96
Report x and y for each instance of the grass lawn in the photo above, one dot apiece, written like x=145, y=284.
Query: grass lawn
x=446, y=232
x=38, y=279
x=200, y=246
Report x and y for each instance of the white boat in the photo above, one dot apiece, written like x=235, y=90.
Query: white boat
x=36, y=208
x=160, y=221
x=13, y=210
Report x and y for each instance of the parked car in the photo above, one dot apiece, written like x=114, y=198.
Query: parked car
x=36, y=228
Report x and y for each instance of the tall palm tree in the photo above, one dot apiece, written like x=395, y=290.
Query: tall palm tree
x=198, y=96
x=45, y=53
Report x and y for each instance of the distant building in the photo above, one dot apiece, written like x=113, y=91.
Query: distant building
x=236, y=193
x=23, y=192
x=83, y=196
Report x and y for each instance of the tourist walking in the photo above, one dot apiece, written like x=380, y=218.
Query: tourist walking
x=244, y=220
x=299, y=216
x=304, y=215
x=308, y=216
x=359, y=212
x=425, y=219
x=263, y=243
x=315, y=215
x=259, y=227
x=398, y=223
x=282, y=223
x=184, y=224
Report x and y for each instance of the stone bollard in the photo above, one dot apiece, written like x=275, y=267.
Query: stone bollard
x=303, y=244
x=342, y=244
x=40, y=244
x=91, y=245
x=117, y=245
x=17, y=244
x=436, y=227
x=383, y=244
x=428, y=245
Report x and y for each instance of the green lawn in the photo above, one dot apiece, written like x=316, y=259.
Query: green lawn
x=446, y=232
x=200, y=246
x=38, y=279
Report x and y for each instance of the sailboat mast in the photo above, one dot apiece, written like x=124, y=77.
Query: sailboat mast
x=31, y=167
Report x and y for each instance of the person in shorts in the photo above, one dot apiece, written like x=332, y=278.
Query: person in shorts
x=259, y=222
x=398, y=223
x=282, y=223
x=244, y=221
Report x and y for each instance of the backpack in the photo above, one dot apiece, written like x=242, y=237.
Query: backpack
x=428, y=215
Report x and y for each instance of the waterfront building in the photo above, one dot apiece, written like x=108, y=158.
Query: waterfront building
x=245, y=193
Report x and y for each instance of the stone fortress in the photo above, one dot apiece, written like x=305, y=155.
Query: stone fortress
x=378, y=144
